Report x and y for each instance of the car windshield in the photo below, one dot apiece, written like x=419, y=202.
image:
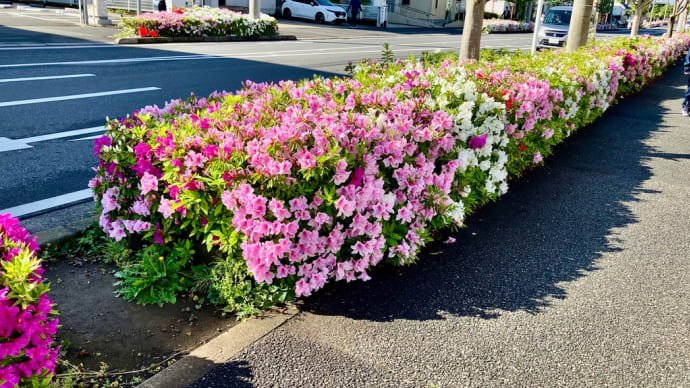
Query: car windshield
x=324, y=2
x=558, y=17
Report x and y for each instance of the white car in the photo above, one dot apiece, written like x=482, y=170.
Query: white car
x=320, y=11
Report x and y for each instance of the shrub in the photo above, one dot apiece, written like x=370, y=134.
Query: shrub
x=197, y=21
x=293, y=184
x=500, y=25
x=27, y=323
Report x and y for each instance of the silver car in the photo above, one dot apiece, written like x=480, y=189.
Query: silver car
x=554, y=29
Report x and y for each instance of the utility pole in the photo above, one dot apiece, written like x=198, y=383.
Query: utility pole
x=537, y=25
x=84, y=14
x=138, y=7
x=101, y=13
x=579, y=25
x=255, y=9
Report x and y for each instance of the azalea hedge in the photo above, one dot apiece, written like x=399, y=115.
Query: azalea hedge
x=27, y=319
x=198, y=21
x=492, y=26
x=654, y=24
x=295, y=184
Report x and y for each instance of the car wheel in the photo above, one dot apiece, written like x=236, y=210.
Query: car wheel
x=319, y=18
x=287, y=14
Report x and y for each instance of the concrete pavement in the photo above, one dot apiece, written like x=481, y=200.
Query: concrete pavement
x=580, y=276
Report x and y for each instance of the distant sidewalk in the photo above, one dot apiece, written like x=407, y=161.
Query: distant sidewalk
x=577, y=277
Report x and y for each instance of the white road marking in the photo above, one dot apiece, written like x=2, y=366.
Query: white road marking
x=21, y=144
x=76, y=96
x=46, y=77
x=40, y=18
x=120, y=60
x=87, y=138
x=48, y=203
x=103, y=45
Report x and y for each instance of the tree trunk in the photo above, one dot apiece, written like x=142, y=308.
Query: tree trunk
x=671, y=22
x=637, y=20
x=579, y=25
x=472, y=29
x=683, y=20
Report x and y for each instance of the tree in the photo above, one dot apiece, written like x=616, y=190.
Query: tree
x=472, y=29
x=640, y=7
x=579, y=24
x=683, y=19
x=679, y=6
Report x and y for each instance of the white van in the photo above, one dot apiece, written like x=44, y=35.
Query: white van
x=554, y=29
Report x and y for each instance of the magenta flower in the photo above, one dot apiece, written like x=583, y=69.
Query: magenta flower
x=477, y=142
x=357, y=177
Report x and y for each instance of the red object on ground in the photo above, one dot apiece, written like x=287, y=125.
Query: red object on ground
x=142, y=32
x=153, y=34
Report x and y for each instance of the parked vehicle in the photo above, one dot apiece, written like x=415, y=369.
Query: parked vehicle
x=320, y=11
x=554, y=29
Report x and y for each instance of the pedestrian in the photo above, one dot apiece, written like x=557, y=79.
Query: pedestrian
x=355, y=8
x=506, y=13
x=162, y=6
x=686, y=70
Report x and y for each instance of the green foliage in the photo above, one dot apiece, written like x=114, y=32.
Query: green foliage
x=17, y=273
x=155, y=276
x=387, y=55
x=233, y=286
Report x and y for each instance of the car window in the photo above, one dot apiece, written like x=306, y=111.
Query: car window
x=558, y=17
x=324, y=2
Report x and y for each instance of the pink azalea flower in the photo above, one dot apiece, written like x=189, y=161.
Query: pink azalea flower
x=148, y=183
x=537, y=157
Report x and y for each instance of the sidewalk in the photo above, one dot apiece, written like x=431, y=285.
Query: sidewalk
x=578, y=277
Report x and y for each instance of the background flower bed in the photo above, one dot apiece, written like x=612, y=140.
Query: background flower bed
x=493, y=26
x=27, y=319
x=501, y=25
x=206, y=21
x=257, y=197
x=654, y=24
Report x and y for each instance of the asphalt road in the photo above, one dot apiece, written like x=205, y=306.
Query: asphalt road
x=578, y=277
x=57, y=77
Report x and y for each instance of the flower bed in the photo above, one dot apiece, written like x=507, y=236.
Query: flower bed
x=654, y=24
x=300, y=183
x=492, y=26
x=606, y=27
x=194, y=22
x=27, y=323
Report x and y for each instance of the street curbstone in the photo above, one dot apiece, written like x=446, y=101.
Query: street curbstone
x=220, y=349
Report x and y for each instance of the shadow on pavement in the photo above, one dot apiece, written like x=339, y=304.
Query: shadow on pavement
x=232, y=374
x=515, y=255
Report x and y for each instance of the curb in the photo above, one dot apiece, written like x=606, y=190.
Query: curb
x=220, y=349
x=204, y=39
x=64, y=232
